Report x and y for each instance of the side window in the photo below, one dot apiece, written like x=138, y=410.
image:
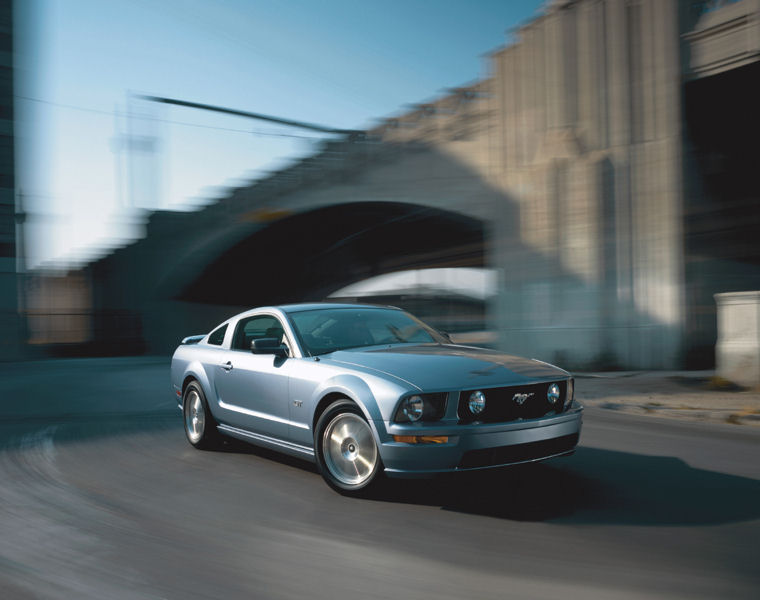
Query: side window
x=217, y=336
x=253, y=328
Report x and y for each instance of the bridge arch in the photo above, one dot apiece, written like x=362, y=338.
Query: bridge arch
x=309, y=254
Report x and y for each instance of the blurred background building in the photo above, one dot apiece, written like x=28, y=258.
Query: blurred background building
x=10, y=324
x=604, y=170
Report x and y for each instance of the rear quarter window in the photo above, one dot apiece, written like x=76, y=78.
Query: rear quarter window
x=216, y=338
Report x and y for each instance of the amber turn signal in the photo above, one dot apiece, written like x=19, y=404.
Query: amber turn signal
x=422, y=439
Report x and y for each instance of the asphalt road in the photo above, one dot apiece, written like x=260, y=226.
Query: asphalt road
x=102, y=497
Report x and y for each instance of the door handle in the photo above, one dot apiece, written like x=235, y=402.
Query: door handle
x=226, y=366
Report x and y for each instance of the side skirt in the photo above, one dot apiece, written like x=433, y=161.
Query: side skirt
x=265, y=441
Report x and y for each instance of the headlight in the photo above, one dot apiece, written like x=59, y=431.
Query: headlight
x=477, y=402
x=412, y=408
x=552, y=394
x=421, y=407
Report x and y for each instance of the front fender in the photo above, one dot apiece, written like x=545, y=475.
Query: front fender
x=354, y=388
x=375, y=397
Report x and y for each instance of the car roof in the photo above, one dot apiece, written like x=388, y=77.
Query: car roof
x=290, y=308
x=284, y=309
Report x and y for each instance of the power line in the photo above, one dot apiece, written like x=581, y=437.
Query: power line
x=170, y=121
x=252, y=115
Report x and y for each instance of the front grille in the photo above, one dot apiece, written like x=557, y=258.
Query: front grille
x=504, y=455
x=502, y=406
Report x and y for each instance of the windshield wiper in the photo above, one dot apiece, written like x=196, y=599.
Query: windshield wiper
x=396, y=333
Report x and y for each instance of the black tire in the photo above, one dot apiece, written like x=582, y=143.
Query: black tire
x=200, y=426
x=357, y=450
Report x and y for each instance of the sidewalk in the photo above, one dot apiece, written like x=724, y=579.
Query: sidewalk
x=686, y=395
x=69, y=387
x=98, y=386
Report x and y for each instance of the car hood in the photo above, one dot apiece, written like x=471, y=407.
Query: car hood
x=446, y=367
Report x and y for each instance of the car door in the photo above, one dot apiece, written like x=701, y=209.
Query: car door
x=252, y=389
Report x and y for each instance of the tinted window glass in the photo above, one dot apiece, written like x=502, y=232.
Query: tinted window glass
x=217, y=337
x=327, y=330
x=254, y=328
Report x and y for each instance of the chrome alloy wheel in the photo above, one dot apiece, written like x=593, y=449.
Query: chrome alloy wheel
x=195, y=417
x=349, y=449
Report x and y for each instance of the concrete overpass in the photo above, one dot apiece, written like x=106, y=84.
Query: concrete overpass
x=604, y=168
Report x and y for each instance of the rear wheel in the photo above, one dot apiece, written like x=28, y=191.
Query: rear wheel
x=347, y=454
x=200, y=426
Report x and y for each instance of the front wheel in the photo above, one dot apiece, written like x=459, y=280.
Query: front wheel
x=347, y=455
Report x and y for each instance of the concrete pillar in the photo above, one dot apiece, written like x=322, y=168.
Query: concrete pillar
x=618, y=97
x=648, y=60
x=537, y=52
x=554, y=72
x=737, y=353
x=568, y=102
x=500, y=130
x=511, y=86
x=587, y=59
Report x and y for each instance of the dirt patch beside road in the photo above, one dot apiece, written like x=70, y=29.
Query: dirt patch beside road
x=690, y=395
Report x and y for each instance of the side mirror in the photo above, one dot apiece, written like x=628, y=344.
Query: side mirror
x=269, y=346
x=446, y=335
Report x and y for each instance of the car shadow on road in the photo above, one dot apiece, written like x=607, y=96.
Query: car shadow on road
x=235, y=446
x=592, y=487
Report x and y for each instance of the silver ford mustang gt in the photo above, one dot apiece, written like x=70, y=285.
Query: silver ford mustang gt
x=366, y=391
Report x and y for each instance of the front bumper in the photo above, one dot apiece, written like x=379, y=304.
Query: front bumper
x=479, y=445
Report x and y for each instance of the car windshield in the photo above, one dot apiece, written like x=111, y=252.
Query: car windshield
x=330, y=329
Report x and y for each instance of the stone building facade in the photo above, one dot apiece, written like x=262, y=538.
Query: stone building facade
x=588, y=142
x=583, y=128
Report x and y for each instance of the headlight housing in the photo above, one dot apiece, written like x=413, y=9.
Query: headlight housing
x=570, y=395
x=421, y=407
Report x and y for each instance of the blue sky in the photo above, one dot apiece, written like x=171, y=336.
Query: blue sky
x=338, y=63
